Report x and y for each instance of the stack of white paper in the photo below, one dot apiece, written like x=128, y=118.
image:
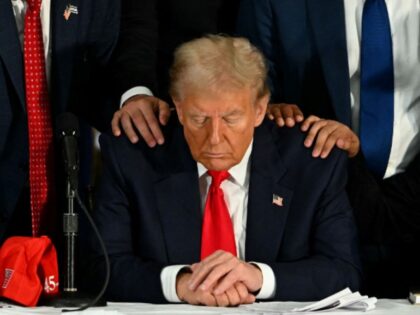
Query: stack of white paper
x=343, y=299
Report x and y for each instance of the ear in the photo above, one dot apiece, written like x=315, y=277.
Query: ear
x=179, y=111
x=261, y=108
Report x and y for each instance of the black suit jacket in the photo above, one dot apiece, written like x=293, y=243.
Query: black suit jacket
x=80, y=47
x=152, y=29
x=148, y=212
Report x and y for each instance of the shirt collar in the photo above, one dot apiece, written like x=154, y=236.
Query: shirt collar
x=238, y=172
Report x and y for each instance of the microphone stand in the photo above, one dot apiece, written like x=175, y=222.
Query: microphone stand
x=70, y=229
x=70, y=296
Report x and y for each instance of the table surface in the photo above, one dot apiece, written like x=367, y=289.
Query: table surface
x=383, y=307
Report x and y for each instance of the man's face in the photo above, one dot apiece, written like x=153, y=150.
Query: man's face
x=219, y=126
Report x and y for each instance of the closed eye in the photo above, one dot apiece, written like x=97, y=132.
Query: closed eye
x=199, y=120
x=232, y=119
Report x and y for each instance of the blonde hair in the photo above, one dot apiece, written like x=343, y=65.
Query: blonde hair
x=218, y=62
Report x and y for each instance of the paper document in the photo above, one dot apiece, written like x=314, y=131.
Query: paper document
x=344, y=299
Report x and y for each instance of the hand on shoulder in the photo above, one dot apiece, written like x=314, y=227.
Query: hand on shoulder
x=141, y=114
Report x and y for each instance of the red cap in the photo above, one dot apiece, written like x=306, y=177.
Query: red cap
x=28, y=267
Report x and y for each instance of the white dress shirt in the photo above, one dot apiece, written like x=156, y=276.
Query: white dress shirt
x=19, y=10
x=235, y=191
x=404, y=18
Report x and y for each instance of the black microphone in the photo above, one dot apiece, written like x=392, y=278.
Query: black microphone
x=68, y=132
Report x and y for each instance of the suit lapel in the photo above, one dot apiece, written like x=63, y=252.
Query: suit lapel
x=178, y=203
x=266, y=220
x=328, y=25
x=64, y=42
x=10, y=49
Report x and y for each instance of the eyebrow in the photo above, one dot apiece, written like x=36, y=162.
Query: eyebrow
x=224, y=114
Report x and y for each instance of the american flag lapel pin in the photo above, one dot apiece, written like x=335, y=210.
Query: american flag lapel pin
x=277, y=200
x=70, y=9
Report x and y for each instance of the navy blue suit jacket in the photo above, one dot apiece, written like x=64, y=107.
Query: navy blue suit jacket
x=148, y=212
x=304, y=42
x=80, y=46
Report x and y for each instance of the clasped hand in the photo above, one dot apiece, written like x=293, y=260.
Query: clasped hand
x=221, y=279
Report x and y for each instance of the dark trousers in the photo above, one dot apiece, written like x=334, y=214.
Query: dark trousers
x=388, y=217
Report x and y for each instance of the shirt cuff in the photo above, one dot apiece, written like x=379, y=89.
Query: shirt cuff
x=168, y=281
x=138, y=90
x=268, y=288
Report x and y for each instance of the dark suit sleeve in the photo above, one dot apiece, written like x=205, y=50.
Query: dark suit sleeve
x=334, y=260
x=132, y=278
x=134, y=62
x=255, y=22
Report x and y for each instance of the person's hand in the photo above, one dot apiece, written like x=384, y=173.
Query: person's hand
x=221, y=270
x=329, y=133
x=284, y=114
x=139, y=112
x=235, y=295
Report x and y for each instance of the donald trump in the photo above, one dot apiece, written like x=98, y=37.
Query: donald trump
x=231, y=208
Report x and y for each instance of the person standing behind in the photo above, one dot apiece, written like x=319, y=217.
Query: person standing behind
x=356, y=62
x=150, y=32
x=49, y=53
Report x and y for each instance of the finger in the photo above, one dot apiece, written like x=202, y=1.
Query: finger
x=280, y=122
x=164, y=112
x=206, y=299
x=250, y=299
x=228, y=281
x=233, y=296
x=288, y=115
x=212, y=269
x=128, y=127
x=298, y=114
x=242, y=291
x=277, y=115
x=354, y=146
x=152, y=124
x=343, y=143
x=329, y=145
x=322, y=137
x=194, y=267
x=218, y=272
x=203, y=268
x=348, y=144
x=115, y=124
x=313, y=132
x=143, y=128
x=222, y=300
x=309, y=122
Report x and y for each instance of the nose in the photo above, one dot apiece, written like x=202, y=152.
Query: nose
x=215, y=132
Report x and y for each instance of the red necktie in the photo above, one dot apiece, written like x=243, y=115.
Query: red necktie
x=39, y=117
x=217, y=230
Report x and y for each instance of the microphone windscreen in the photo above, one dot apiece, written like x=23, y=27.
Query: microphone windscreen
x=67, y=124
